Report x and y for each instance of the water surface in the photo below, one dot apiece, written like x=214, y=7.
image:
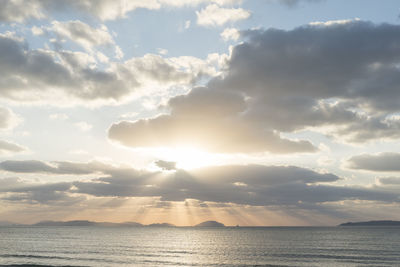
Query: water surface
x=147, y=246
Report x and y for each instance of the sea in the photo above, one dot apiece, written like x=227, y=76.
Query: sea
x=180, y=246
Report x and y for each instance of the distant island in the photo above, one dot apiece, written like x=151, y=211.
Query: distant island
x=160, y=225
x=210, y=224
x=86, y=223
x=372, y=223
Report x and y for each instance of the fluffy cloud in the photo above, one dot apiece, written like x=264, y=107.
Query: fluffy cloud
x=383, y=162
x=19, y=11
x=8, y=119
x=83, y=34
x=210, y=119
x=230, y=34
x=214, y=15
x=285, y=81
x=52, y=76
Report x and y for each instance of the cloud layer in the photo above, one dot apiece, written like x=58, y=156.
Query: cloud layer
x=249, y=185
x=20, y=11
x=47, y=76
x=340, y=79
x=382, y=162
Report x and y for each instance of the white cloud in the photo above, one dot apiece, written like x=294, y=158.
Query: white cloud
x=187, y=24
x=162, y=51
x=118, y=52
x=332, y=22
x=214, y=15
x=37, y=30
x=230, y=34
x=82, y=34
x=20, y=11
x=8, y=119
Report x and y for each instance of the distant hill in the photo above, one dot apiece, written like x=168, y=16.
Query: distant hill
x=86, y=223
x=210, y=224
x=68, y=223
x=372, y=223
x=124, y=224
x=161, y=225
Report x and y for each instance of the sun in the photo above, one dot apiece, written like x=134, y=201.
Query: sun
x=187, y=157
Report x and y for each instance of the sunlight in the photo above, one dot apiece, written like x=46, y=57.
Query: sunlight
x=187, y=157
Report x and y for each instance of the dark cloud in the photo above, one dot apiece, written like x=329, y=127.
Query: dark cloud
x=43, y=72
x=249, y=185
x=278, y=187
x=340, y=78
x=51, y=193
x=166, y=165
x=9, y=147
x=56, y=167
x=389, y=181
x=383, y=162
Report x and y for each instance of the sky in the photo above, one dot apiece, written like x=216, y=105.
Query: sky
x=249, y=112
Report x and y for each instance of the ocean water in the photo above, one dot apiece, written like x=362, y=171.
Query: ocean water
x=146, y=246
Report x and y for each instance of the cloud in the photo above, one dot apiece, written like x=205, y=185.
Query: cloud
x=389, y=181
x=304, y=78
x=166, y=165
x=8, y=119
x=57, y=167
x=7, y=147
x=20, y=11
x=214, y=15
x=333, y=22
x=293, y=3
x=209, y=119
x=382, y=162
x=21, y=191
x=82, y=34
x=249, y=185
x=230, y=34
x=68, y=78
x=280, y=81
x=280, y=188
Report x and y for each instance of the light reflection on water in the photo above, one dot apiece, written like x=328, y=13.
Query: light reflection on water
x=269, y=246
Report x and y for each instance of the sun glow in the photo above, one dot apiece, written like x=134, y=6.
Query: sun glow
x=187, y=157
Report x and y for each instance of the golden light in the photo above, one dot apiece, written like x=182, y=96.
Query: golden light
x=187, y=157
